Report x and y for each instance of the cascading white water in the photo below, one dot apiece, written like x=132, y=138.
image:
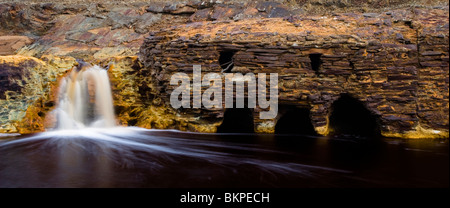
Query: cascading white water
x=85, y=100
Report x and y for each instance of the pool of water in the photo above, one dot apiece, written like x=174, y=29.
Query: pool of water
x=135, y=157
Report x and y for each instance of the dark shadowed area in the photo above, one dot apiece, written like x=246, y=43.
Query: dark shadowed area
x=133, y=157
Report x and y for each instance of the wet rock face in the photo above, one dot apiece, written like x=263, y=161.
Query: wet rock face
x=395, y=63
x=27, y=91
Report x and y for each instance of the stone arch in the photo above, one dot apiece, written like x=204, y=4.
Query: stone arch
x=349, y=116
x=294, y=120
x=237, y=120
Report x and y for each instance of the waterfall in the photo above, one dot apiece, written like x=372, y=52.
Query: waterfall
x=85, y=99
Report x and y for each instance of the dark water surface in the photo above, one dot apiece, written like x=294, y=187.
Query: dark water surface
x=133, y=157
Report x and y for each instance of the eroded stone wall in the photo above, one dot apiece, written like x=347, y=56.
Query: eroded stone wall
x=396, y=63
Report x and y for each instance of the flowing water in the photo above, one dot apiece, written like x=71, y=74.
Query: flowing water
x=134, y=157
x=80, y=154
x=85, y=100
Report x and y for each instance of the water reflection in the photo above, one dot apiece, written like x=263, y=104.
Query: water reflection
x=134, y=157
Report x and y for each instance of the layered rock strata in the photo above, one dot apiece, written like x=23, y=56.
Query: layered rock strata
x=395, y=63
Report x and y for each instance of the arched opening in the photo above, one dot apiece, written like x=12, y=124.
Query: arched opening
x=237, y=120
x=226, y=61
x=350, y=117
x=295, y=121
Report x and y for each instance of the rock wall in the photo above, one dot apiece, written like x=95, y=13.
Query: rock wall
x=396, y=63
x=28, y=91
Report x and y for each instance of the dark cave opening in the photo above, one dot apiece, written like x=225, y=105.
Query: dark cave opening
x=350, y=117
x=237, y=120
x=295, y=121
x=226, y=61
x=316, y=61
